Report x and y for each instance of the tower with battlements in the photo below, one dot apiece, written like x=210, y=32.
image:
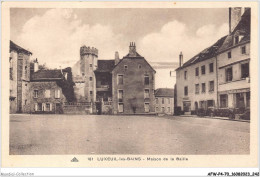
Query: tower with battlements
x=88, y=64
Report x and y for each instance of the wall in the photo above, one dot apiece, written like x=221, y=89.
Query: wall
x=133, y=86
x=166, y=104
x=41, y=87
x=13, y=82
x=192, y=79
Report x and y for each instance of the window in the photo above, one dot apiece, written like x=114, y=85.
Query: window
x=120, y=107
x=39, y=107
x=162, y=100
x=47, y=93
x=139, y=66
x=47, y=107
x=162, y=109
x=224, y=101
x=125, y=67
x=197, y=71
x=203, y=88
x=211, y=86
x=25, y=70
x=120, y=80
x=243, y=49
x=146, y=93
x=186, y=90
x=90, y=92
x=229, y=54
x=185, y=75
x=236, y=39
x=169, y=109
x=211, y=67
x=157, y=101
x=90, y=65
x=57, y=93
x=203, y=69
x=35, y=93
x=90, y=78
x=120, y=95
x=210, y=103
x=35, y=106
x=146, y=80
x=229, y=74
x=169, y=101
x=244, y=70
x=25, y=102
x=197, y=88
x=146, y=107
x=11, y=74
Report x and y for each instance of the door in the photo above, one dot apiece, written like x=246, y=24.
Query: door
x=99, y=108
x=186, y=106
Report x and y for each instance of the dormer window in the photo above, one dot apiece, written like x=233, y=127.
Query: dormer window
x=236, y=39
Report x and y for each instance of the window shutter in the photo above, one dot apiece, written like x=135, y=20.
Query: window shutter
x=35, y=107
x=50, y=107
x=58, y=93
x=43, y=106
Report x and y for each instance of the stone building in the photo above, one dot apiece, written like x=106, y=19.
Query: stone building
x=19, y=76
x=164, y=101
x=234, y=62
x=219, y=75
x=133, y=84
x=50, y=90
x=196, y=80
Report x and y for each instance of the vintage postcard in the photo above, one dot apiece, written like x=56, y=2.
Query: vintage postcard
x=129, y=84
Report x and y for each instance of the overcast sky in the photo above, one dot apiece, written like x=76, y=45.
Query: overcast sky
x=54, y=36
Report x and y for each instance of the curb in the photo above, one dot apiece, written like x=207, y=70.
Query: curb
x=220, y=118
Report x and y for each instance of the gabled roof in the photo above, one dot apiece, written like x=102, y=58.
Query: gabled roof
x=205, y=54
x=164, y=92
x=17, y=48
x=47, y=75
x=135, y=55
x=105, y=65
x=242, y=29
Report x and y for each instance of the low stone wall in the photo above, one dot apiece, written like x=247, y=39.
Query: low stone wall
x=77, y=108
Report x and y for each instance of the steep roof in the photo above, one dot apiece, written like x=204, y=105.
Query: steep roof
x=105, y=65
x=205, y=54
x=17, y=48
x=47, y=75
x=242, y=29
x=164, y=92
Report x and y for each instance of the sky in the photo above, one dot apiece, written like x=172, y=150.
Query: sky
x=55, y=36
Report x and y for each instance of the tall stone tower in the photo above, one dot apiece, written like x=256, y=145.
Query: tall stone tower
x=88, y=64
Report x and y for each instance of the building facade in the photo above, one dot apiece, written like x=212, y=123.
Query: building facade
x=196, y=80
x=219, y=76
x=19, y=76
x=133, y=84
x=234, y=64
x=164, y=101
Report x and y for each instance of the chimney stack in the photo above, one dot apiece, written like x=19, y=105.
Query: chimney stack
x=181, y=59
x=117, y=59
x=35, y=65
x=235, y=14
x=132, y=49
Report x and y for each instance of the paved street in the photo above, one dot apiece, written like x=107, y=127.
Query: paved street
x=91, y=134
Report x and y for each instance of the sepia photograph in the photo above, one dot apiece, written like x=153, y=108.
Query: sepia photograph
x=130, y=81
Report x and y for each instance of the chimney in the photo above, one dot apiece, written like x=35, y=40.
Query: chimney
x=35, y=65
x=181, y=59
x=235, y=14
x=117, y=59
x=132, y=49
